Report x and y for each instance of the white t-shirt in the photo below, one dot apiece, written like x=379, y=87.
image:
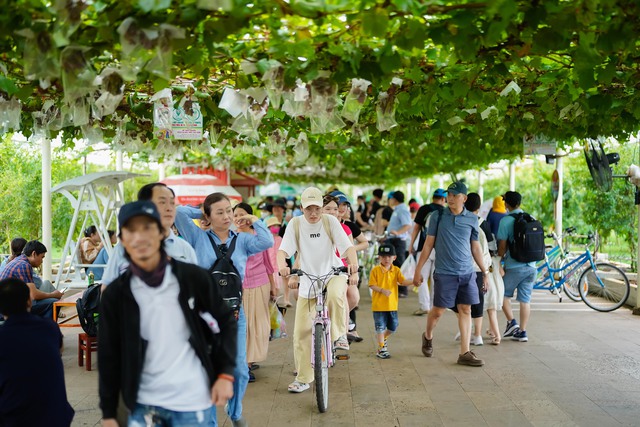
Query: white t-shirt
x=316, y=252
x=172, y=375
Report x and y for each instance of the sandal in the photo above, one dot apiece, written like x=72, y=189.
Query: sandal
x=298, y=387
x=490, y=334
x=495, y=341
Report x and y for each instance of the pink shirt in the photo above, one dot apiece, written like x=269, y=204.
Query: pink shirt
x=259, y=266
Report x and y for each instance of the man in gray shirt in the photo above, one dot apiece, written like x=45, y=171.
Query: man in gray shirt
x=454, y=234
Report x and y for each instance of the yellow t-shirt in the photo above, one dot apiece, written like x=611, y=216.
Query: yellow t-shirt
x=386, y=280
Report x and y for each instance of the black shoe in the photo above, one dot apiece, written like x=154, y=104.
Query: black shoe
x=252, y=378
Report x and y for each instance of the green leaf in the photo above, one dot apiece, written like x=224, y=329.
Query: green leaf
x=7, y=85
x=374, y=22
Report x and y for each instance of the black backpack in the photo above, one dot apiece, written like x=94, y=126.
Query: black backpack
x=226, y=276
x=88, y=310
x=528, y=239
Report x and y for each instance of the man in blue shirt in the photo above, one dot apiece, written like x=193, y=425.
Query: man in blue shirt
x=454, y=234
x=518, y=275
x=399, y=229
x=32, y=389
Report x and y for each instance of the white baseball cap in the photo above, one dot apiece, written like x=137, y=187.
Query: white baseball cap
x=312, y=196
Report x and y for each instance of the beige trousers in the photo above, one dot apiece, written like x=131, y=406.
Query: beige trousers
x=305, y=313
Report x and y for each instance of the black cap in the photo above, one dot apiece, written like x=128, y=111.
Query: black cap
x=457, y=187
x=512, y=198
x=386, y=249
x=139, y=208
x=281, y=202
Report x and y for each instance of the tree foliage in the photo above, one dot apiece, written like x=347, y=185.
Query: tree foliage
x=573, y=64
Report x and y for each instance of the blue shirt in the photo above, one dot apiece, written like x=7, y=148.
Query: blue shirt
x=174, y=246
x=399, y=218
x=32, y=389
x=247, y=244
x=505, y=232
x=453, y=241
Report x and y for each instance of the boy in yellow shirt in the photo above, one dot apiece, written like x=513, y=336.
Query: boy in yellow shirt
x=384, y=281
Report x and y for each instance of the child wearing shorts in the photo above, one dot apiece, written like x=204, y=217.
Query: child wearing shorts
x=383, y=282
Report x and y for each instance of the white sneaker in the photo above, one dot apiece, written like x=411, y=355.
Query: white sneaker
x=457, y=337
x=476, y=340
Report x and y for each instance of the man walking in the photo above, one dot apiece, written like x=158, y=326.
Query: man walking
x=517, y=275
x=21, y=268
x=425, y=293
x=454, y=234
x=167, y=341
x=398, y=230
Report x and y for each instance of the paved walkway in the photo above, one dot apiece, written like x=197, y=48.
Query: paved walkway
x=579, y=368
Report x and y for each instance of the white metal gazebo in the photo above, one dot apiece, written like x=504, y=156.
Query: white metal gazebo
x=99, y=196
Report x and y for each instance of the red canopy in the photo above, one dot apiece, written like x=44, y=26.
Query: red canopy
x=193, y=189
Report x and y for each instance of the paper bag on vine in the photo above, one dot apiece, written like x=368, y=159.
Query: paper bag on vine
x=295, y=103
x=274, y=84
x=324, y=102
x=111, y=92
x=78, y=77
x=187, y=120
x=41, y=59
x=355, y=99
x=386, y=107
x=9, y=114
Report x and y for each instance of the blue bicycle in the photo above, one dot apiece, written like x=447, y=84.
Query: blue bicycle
x=602, y=286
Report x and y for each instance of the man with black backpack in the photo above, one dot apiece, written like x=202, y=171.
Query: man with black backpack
x=520, y=244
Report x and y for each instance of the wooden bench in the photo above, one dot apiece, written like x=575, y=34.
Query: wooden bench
x=69, y=301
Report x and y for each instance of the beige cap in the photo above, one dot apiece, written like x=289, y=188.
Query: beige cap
x=312, y=196
x=271, y=221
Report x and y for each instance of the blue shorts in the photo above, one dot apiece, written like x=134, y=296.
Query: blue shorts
x=522, y=279
x=385, y=321
x=451, y=290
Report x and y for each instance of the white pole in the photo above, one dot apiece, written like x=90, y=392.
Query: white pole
x=512, y=176
x=441, y=181
x=47, y=235
x=427, y=198
x=481, y=184
x=559, y=203
x=162, y=171
x=418, y=185
x=119, y=167
x=409, y=195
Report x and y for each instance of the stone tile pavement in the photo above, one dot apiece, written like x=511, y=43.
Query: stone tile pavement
x=579, y=368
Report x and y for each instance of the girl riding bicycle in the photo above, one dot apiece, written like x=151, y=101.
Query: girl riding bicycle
x=315, y=238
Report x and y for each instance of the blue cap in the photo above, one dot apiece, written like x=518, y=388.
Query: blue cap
x=139, y=208
x=340, y=196
x=440, y=192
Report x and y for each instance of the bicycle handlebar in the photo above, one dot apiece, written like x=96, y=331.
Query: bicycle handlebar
x=334, y=270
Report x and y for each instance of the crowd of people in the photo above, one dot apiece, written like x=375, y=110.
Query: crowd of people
x=171, y=340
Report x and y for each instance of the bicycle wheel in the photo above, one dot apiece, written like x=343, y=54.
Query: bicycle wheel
x=321, y=368
x=570, y=286
x=604, y=289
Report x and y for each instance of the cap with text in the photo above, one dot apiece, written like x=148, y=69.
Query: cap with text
x=312, y=196
x=386, y=249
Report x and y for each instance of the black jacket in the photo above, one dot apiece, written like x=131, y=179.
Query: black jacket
x=121, y=350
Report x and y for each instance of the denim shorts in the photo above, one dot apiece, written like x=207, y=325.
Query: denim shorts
x=385, y=321
x=451, y=290
x=522, y=279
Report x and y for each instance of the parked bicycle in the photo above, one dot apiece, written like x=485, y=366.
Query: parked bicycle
x=602, y=286
x=323, y=355
x=556, y=257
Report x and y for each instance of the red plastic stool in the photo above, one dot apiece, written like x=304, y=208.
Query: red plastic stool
x=86, y=344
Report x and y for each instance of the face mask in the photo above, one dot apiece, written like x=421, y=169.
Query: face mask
x=264, y=214
x=274, y=229
x=290, y=204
